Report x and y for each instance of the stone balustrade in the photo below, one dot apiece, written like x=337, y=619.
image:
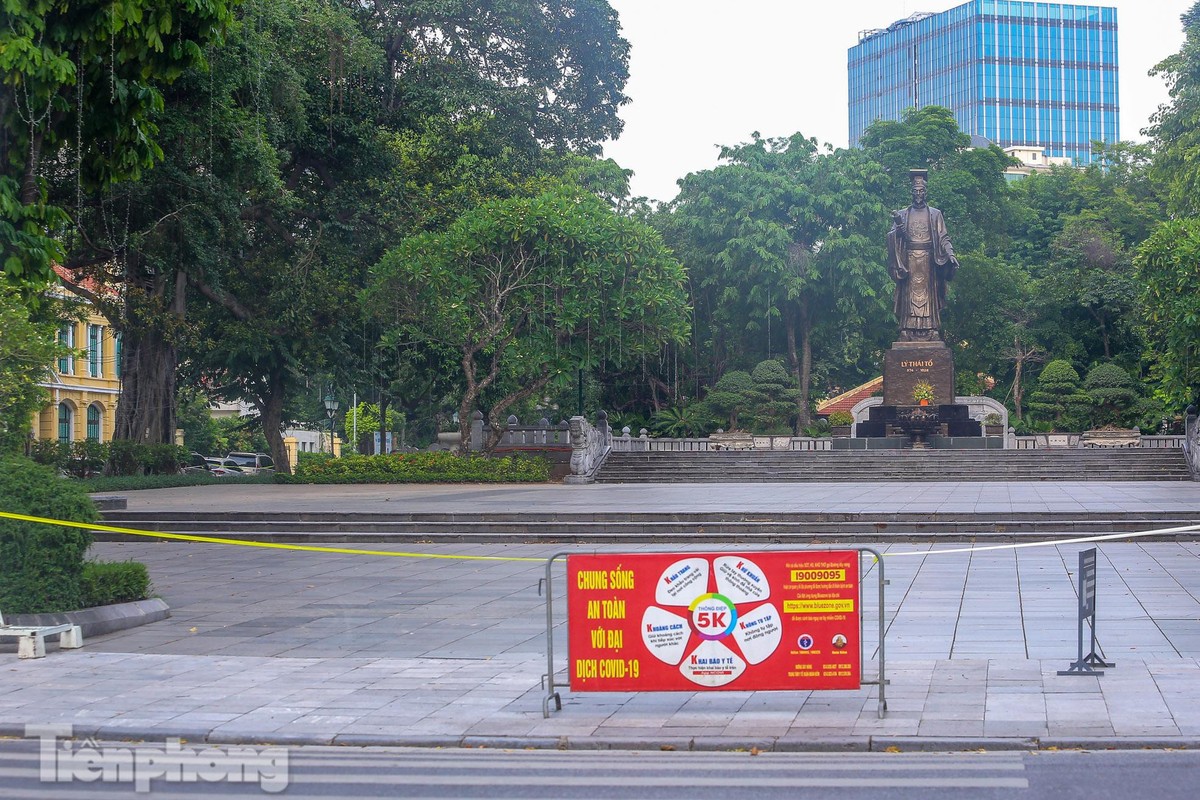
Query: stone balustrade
x=1191, y=444
x=590, y=444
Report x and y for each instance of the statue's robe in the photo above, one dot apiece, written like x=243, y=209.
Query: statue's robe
x=921, y=262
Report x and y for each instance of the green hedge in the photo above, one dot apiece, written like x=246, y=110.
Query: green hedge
x=85, y=459
x=108, y=582
x=41, y=566
x=420, y=468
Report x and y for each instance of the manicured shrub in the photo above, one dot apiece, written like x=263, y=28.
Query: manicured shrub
x=124, y=457
x=50, y=453
x=86, y=458
x=1111, y=389
x=773, y=396
x=108, y=582
x=841, y=418
x=1059, y=400
x=730, y=397
x=41, y=566
x=438, y=467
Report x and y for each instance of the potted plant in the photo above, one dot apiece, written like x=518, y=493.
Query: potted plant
x=993, y=425
x=923, y=393
x=840, y=423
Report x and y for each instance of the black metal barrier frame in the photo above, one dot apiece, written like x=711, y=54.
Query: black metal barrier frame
x=548, y=678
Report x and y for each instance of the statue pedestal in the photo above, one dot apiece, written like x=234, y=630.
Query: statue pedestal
x=910, y=363
x=900, y=415
x=919, y=423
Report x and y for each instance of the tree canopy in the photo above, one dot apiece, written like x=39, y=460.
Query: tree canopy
x=526, y=290
x=83, y=83
x=404, y=199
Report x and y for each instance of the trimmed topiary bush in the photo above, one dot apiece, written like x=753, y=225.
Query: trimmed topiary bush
x=774, y=397
x=730, y=397
x=1058, y=398
x=42, y=565
x=1111, y=388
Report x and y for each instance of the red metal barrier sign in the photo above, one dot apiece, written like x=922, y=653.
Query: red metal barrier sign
x=687, y=622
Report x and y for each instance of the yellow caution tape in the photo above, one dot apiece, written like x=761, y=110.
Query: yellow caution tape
x=89, y=526
x=1105, y=537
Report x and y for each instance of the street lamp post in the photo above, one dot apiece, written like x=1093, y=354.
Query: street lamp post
x=331, y=407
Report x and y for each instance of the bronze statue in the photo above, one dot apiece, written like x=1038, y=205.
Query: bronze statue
x=920, y=260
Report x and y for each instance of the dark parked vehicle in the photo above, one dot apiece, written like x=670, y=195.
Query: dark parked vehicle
x=197, y=464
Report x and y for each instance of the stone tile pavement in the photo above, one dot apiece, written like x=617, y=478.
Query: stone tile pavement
x=275, y=646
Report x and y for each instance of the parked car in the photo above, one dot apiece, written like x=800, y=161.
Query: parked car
x=224, y=467
x=197, y=465
x=253, y=463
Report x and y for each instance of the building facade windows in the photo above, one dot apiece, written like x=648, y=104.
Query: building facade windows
x=65, y=420
x=95, y=351
x=1017, y=73
x=66, y=337
x=93, y=423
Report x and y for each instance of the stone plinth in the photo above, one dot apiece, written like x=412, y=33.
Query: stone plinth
x=909, y=363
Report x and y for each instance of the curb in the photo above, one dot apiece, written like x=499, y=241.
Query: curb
x=852, y=744
x=100, y=620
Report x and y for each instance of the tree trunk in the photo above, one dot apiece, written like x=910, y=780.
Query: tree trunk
x=465, y=407
x=801, y=362
x=505, y=403
x=271, y=418
x=1018, y=390
x=149, y=357
x=384, y=402
x=1104, y=337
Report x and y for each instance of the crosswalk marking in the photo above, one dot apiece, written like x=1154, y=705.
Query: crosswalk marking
x=515, y=774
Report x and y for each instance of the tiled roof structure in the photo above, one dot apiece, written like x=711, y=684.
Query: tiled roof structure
x=847, y=400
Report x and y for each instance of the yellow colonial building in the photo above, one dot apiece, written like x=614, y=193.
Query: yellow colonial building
x=84, y=389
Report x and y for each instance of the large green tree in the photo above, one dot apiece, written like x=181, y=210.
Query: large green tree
x=28, y=346
x=782, y=236
x=82, y=84
x=1169, y=268
x=1167, y=261
x=525, y=290
x=554, y=71
x=1175, y=129
x=322, y=131
x=967, y=183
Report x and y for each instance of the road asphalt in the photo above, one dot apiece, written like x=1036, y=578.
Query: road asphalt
x=434, y=646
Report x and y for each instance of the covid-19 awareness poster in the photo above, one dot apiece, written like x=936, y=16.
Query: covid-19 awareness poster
x=699, y=621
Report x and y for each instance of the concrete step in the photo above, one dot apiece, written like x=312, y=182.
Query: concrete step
x=894, y=465
x=650, y=527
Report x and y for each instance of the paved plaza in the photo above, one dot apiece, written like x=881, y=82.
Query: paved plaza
x=281, y=646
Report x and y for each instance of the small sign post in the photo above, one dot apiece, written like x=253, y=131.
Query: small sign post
x=1086, y=665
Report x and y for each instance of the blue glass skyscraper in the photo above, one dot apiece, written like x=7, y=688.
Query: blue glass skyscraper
x=1016, y=73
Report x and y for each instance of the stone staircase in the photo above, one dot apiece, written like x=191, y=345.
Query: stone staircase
x=814, y=527
x=786, y=466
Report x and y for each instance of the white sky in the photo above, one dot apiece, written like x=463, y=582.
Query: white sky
x=705, y=73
